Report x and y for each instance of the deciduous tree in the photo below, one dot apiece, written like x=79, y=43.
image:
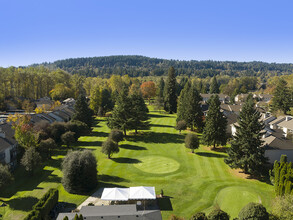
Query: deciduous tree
x=148, y=90
x=191, y=141
x=30, y=160
x=5, y=175
x=109, y=147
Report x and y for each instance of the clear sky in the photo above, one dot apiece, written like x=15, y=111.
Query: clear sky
x=35, y=31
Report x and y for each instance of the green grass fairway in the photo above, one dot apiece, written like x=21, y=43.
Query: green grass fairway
x=236, y=197
x=157, y=164
x=192, y=182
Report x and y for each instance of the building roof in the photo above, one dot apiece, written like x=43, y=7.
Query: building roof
x=9, y=132
x=277, y=141
x=278, y=120
x=4, y=144
x=111, y=212
x=287, y=124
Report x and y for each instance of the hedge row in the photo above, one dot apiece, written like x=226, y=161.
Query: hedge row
x=43, y=207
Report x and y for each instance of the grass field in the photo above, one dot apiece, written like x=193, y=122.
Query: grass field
x=192, y=182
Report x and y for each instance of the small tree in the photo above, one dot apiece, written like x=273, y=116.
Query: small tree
x=253, y=211
x=199, y=216
x=181, y=125
x=78, y=127
x=56, y=130
x=30, y=160
x=191, y=141
x=68, y=138
x=116, y=135
x=5, y=175
x=218, y=214
x=79, y=172
x=46, y=146
x=109, y=147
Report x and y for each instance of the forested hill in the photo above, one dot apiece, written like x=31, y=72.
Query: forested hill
x=144, y=66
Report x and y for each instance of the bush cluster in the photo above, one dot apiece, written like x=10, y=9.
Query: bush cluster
x=43, y=207
x=282, y=176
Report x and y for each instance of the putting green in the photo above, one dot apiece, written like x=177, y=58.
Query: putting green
x=236, y=197
x=157, y=164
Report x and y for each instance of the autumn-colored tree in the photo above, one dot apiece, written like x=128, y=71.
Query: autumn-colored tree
x=148, y=89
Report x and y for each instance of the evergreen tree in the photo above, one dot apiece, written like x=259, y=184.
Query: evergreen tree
x=182, y=112
x=159, y=99
x=170, y=92
x=106, y=102
x=121, y=117
x=214, y=132
x=246, y=150
x=82, y=111
x=189, y=108
x=281, y=97
x=214, y=88
x=139, y=113
x=79, y=172
x=195, y=114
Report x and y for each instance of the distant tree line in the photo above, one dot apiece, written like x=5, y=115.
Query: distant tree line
x=144, y=66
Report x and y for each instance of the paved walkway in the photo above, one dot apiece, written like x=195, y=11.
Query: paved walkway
x=95, y=199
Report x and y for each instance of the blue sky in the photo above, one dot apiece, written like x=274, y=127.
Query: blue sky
x=35, y=31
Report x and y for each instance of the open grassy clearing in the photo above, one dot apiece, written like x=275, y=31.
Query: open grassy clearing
x=193, y=182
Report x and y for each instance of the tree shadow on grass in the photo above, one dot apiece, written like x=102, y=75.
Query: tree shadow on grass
x=165, y=204
x=131, y=147
x=108, y=178
x=25, y=182
x=53, y=179
x=156, y=137
x=99, y=134
x=161, y=126
x=158, y=116
x=126, y=160
x=89, y=143
x=208, y=154
x=22, y=203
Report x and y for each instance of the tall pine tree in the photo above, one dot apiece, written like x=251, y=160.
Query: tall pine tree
x=121, y=117
x=214, y=88
x=170, y=92
x=214, y=132
x=139, y=112
x=281, y=99
x=82, y=111
x=189, y=108
x=246, y=150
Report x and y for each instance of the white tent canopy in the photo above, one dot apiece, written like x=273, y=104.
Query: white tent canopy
x=115, y=194
x=124, y=194
x=142, y=192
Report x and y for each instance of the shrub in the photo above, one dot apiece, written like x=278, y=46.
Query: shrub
x=43, y=207
x=78, y=127
x=253, y=211
x=116, y=135
x=79, y=171
x=218, y=214
x=68, y=138
x=33, y=215
x=181, y=125
x=191, y=141
x=199, y=216
x=47, y=203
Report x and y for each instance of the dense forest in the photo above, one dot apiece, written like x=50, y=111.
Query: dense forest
x=135, y=66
